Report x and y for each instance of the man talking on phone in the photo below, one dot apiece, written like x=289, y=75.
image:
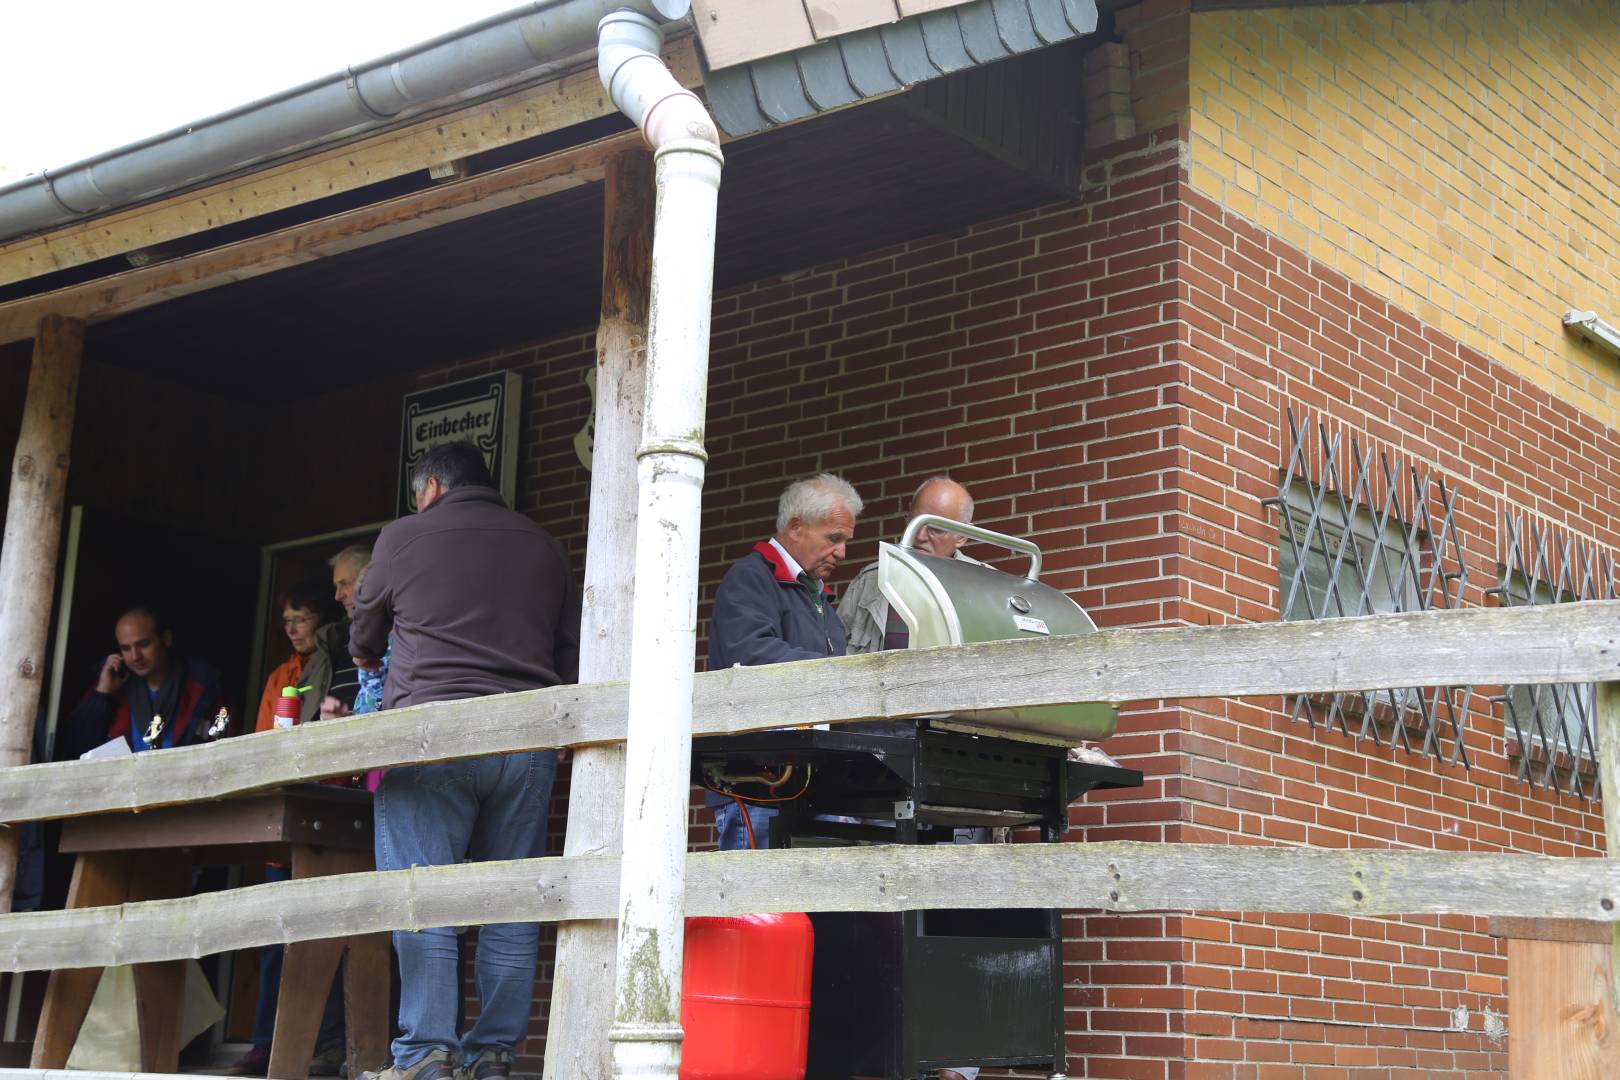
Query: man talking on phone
x=145, y=693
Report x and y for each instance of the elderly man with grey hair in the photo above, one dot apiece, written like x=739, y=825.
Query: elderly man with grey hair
x=868, y=621
x=774, y=606
x=330, y=672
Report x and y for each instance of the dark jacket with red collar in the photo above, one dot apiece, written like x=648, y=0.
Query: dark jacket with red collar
x=763, y=615
x=99, y=717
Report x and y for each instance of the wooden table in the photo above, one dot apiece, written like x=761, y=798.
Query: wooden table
x=317, y=829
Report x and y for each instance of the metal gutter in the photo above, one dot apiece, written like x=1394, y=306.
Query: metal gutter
x=526, y=43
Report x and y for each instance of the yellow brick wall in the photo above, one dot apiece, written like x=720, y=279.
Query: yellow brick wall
x=1459, y=157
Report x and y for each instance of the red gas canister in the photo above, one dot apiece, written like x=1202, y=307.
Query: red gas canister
x=745, y=997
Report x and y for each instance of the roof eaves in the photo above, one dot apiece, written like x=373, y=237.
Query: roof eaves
x=752, y=97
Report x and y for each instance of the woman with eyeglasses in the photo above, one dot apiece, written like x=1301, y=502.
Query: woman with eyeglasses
x=301, y=608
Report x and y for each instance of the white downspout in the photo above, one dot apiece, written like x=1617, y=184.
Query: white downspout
x=646, y=1033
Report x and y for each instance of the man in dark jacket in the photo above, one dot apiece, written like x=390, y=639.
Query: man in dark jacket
x=774, y=606
x=143, y=681
x=480, y=601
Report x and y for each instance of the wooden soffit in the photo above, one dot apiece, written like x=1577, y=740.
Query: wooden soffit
x=435, y=142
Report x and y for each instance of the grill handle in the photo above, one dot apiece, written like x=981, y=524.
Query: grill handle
x=1001, y=540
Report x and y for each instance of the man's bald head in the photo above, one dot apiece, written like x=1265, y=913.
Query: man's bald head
x=942, y=497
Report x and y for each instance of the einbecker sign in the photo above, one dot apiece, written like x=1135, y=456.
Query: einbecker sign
x=481, y=410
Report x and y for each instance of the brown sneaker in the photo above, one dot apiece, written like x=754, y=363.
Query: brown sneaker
x=492, y=1063
x=255, y=1061
x=435, y=1066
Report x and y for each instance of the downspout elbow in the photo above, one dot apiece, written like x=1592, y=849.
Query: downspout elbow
x=630, y=67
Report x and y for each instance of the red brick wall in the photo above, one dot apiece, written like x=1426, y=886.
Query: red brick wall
x=1265, y=328
x=1108, y=376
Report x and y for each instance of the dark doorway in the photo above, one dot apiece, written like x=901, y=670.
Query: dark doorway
x=203, y=587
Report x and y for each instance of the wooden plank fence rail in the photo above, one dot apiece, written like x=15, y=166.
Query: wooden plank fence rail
x=1576, y=643
x=1114, y=876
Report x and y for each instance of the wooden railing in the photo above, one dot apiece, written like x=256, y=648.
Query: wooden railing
x=1575, y=643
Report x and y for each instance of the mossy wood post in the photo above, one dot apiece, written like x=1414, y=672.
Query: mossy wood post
x=577, y=1046
x=28, y=555
x=1608, y=740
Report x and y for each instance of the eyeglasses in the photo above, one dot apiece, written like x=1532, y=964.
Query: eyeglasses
x=298, y=620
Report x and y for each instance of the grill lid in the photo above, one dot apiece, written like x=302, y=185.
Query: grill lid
x=959, y=601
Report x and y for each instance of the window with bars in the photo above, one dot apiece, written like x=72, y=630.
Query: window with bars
x=1340, y=559
x=1551, y=728
x=1362, y=534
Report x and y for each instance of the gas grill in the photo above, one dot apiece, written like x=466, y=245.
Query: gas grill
x=895, y=995
x=905, y=787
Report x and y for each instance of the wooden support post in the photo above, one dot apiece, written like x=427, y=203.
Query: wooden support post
x=28, y=552
x=1608, y=743
x=1561, y=1015
x=577, y=1043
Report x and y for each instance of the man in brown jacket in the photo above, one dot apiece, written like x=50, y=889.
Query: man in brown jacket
x=480, y=601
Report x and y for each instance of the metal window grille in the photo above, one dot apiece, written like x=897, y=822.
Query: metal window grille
x=1551, y=728
x=1363, y=533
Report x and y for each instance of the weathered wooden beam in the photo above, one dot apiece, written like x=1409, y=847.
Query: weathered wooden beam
x=28, y=553
x=1608, y=750
x=1564, y=643
x=1111, y=876
x=452, y=201
x=577, y=1039
x=422, y=144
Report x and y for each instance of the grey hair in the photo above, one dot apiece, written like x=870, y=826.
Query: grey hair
x=360, y=554
x=943, y=478
x=814, y=499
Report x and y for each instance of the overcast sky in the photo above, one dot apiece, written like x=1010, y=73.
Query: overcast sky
x=81, y=76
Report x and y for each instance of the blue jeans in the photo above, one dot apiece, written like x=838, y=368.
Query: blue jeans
x=264, y=1012
x=728, y=824
x=480, y=810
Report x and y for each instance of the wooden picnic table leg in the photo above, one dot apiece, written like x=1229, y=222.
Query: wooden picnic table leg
x=365, y=1001
x=99, y=879
x=307, y=970
x=160, y=987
